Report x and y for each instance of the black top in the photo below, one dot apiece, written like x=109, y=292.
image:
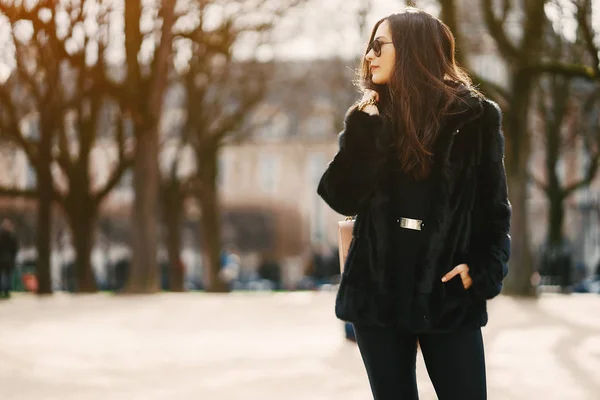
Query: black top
x=409, y=198
x=8, y=248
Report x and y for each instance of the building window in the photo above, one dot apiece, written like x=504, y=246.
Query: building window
x=126, y=181
x=124, y=190
x=268, y=169
x=319, y=125
x=31, y=127
x=172, y=123
x=222, y=169
x=277, y=126
x=270, y=123
x=31, y=178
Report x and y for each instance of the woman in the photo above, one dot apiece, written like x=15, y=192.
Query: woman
x=420, y=165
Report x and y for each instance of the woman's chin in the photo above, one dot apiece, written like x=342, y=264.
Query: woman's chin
x=378, y=80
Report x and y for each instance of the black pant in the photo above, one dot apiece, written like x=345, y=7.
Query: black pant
x=455, y=362
x=5, y=282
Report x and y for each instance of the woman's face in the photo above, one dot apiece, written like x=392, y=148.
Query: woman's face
x=382, y=67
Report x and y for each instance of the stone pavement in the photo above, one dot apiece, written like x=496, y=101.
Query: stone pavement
x=266, y=346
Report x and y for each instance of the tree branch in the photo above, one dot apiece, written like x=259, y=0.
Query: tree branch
x=113, y=180
x=533, y=30
x=22, y=73
x=493, y=90
x=589, y=176
x=64, y=158
x=133, y=14
x=592, y=168
x=13, y=192
x=191, y=186
x=125, y=161
x=584, y=12
x=539, y=182
x=496, y=30
x=12, y=129
x=567, y=70
x=507, y=6
x=448, y=15
x=155, y=84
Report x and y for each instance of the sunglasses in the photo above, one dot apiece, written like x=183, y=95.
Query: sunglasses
x=376, y=46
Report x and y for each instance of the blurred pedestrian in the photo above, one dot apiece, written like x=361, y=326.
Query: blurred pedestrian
x=557, y=262
x=9, y=247
x=596, y=274
x=269, y=269
x=323, y=266
x=580, y=281
x=420, y=166
x=121, y=273
x=230, y=265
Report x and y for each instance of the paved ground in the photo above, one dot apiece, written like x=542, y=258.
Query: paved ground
x=265, y=346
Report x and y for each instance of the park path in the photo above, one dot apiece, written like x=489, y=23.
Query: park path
x=266, y=346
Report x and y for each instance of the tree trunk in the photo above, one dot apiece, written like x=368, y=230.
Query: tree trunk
x=84, y=240
x=448, y=15
x=82, y=217
x=44, y=214
x=146, y=99
x=518, y=282
x=143, y=277
x=176, y=270
x=173, y=215
x=519, y=279
x=210, y=222
x=554, y=118
x=44, y=232
x=556, y=216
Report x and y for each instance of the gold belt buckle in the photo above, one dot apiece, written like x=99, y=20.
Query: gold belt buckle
x=409, y=223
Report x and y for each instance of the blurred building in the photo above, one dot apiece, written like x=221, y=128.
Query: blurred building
x=268, y=180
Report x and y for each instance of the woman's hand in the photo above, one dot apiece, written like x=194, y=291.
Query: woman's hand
x=370, y=109
x=463, y=271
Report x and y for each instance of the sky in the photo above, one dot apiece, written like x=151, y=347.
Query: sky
x=321, y=28
x=317, y=29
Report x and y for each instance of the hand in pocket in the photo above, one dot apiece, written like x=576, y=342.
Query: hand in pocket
x=463, y=271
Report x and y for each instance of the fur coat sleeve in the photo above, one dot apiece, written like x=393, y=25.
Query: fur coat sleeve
x=349, y=179
x=489, y=249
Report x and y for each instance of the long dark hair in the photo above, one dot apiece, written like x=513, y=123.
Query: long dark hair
x=425, y=84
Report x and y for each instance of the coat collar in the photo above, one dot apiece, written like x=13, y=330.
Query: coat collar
x=469, y=108
x=462, y=112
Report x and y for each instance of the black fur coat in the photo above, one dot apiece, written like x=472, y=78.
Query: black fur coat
x=469, y=222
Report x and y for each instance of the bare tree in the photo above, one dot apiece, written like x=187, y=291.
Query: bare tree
x=37, y=95
x=175, y=189
x=81, y=199
x=142, y=93
x=569, y=125
x=526, y=61
x=221, y=93
x=80, y=107
x=209, y=128
x=91, y=115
